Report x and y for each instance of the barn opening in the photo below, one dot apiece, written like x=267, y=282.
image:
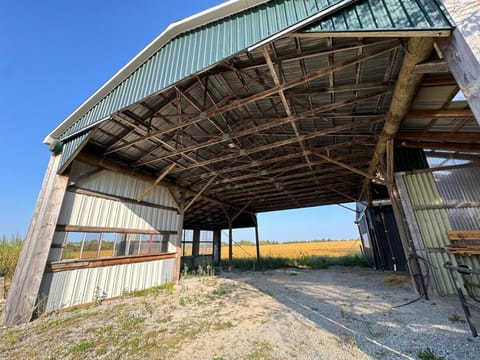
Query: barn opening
x=255, y=106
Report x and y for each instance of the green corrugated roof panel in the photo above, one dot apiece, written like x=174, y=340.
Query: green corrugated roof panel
x=200, y=48
x=374, y=15
x=71, y=148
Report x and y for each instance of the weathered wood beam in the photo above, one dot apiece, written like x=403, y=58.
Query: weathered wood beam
x=440, y=136
x=440, y=114
x=25, y=286
x=264, y=94
x=418, y=50
x=438, y=145
x=123, y=169
x=198, y=194
x=432, y=66
x=157, y=181
x=462, y=49
x=346, y=166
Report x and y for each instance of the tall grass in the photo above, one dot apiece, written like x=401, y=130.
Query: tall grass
x=302, y=261
x=9, y=253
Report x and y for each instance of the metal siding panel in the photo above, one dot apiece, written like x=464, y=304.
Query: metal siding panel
x=75, y=287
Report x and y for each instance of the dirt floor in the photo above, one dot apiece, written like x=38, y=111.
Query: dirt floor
x=338, y=313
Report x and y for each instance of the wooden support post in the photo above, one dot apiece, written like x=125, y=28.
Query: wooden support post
x=200, y=193
x=23, y=292
x=178, y=259
x=230, y=244
x=462, y=49
x=195, y=248
x=257, y=240
x=217, y=246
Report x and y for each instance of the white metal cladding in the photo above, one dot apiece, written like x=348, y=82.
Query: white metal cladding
x=432, y=215
x=111, y=183
x=74, y=287
x=91, y=211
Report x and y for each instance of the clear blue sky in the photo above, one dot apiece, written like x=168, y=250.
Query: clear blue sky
x=53, y=56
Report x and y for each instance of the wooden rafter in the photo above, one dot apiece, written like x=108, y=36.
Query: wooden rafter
x=198, y=194
x=156, y=182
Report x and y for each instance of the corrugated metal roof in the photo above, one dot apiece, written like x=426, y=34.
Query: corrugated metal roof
x=385, y=15
x=71, y=148
x=200, y=48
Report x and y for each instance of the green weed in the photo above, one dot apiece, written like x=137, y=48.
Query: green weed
x=81, y=347
x=428, y=354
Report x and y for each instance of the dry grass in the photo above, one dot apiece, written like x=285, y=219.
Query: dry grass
x=9, y=253
x=337, y=248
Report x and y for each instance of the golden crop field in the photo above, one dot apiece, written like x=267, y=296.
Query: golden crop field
x=294, y=250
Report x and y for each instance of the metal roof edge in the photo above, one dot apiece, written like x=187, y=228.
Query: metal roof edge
x=215, y=13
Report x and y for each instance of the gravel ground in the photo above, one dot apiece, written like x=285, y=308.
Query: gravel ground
x=339, y=313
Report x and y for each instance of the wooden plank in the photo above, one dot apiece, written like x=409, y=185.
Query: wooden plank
x=462, y=49
x=432, y=66
x=25, y=286
x=439, y=136
x=440, y=113
x=348, y=167
x=157, y=181
x=93, y=263
x=455, y=235
x=197, y=195
x=95, y=229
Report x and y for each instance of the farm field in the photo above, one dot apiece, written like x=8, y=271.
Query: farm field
x=335, y=248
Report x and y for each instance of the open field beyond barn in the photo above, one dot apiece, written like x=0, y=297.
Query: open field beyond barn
x=293, y=250
x=335, y=313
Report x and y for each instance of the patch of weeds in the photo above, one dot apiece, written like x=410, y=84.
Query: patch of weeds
x=428, y=354
x=221, y=292
x=11, y=337
x=99, y=296
x=223, y=325
x=261, y=350
x=455, y=318
x=81, y=347
x=130, y=322
x=165, y=319
x=155, y=290
x=148, y=307
x=191, y=300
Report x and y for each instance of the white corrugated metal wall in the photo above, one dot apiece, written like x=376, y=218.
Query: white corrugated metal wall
x=73, y=287
x=441, y=201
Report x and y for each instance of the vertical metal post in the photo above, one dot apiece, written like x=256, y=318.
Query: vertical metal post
x=217, y=246
x=257, y=240
x=195, y=248
x=230, y=244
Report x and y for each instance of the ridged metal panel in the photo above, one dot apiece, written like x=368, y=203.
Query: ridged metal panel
x=85, y=210
x=120, y=185
x=69, y=288
x=202, y=47
x=70, y=148
x=449, y=188
x=385, y=15
x=433, y=225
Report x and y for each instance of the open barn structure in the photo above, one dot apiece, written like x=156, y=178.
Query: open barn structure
x=255, y=106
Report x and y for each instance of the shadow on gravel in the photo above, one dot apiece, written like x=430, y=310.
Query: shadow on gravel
x=357, y=305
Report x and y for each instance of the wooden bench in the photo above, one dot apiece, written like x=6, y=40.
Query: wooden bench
x=464, y=242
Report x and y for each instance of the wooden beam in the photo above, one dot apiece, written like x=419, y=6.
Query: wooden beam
x=440, y=136
x=122, y=169
x=234, y=217
x=462, y=49
x=178, y=244
x=346, y=166
x=197, y=195
x=418, y=50
x=440, y=114
x=157, y=181
x=432, y=66
x=438, y=145
x=26, y=281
